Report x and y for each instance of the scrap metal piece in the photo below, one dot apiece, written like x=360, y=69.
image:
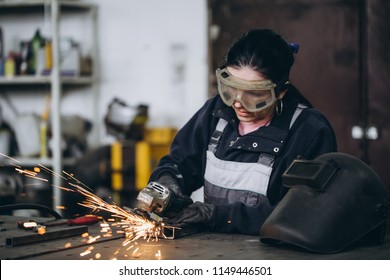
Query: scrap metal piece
x=49, y=235
x=179, y=231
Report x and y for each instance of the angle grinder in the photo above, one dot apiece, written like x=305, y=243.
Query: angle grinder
x=158, y=199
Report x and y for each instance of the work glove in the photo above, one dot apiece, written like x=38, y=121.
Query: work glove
x=197, y=213
x=178, y=200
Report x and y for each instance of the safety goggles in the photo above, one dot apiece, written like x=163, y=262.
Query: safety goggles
x=254, y=96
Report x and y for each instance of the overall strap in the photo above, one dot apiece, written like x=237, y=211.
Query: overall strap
x=268, y=159
x=297, y=112
x=222, y=123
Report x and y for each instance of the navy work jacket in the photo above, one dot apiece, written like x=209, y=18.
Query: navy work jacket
x=310, y=136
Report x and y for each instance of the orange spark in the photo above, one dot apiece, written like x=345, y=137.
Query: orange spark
x=131, y=225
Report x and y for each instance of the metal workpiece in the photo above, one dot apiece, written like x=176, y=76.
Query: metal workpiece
x=25, y=243
x=47, y=235
x=190, y=246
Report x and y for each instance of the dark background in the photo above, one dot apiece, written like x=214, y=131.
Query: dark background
x=343, y=66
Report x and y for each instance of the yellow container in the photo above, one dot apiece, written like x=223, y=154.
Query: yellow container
x=142, y=164
x=116, y=166
x=9, y=67
x=48, y=55
x=160, y=135
x=156, y=144
x=159, y=140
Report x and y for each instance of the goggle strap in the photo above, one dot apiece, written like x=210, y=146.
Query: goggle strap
x=226, y=78
x=280, y=85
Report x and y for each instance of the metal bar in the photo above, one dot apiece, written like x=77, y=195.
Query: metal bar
x=55, y=106
x=49, y=235
x=176, y=232
x=96, y=76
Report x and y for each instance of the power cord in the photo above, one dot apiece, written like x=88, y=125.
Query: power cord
x=24, y=206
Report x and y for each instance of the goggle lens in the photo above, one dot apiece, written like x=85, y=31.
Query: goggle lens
x=254, y=96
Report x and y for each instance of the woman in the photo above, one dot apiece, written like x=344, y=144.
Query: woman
x=241, y=141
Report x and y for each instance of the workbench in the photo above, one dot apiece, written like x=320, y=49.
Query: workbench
x=199, y=246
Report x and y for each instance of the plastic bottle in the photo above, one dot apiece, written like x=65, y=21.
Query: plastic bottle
x=36, y=45
x=43, y=129
x=9, y=66
x=25, y=53
x=48, y=56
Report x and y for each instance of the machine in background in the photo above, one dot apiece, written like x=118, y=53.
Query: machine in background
x=118, y=171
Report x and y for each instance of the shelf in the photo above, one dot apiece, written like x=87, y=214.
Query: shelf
x=41, y=80
x=16, y=11
x=31, y=5
x=31, y=162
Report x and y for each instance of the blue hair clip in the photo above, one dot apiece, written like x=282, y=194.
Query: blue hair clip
x=294, y=47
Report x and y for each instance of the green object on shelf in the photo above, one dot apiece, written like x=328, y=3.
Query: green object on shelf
x=36, y=45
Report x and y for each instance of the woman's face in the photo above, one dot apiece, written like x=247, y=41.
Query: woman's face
x=243, y=115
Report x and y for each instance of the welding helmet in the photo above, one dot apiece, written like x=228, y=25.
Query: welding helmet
x=254, y=96
x=332, y=202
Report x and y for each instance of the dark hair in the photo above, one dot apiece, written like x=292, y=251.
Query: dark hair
x=267, y=52
x=264, y=51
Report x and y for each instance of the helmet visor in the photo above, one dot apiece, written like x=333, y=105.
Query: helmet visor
x=254, y=96
x=309, y=173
